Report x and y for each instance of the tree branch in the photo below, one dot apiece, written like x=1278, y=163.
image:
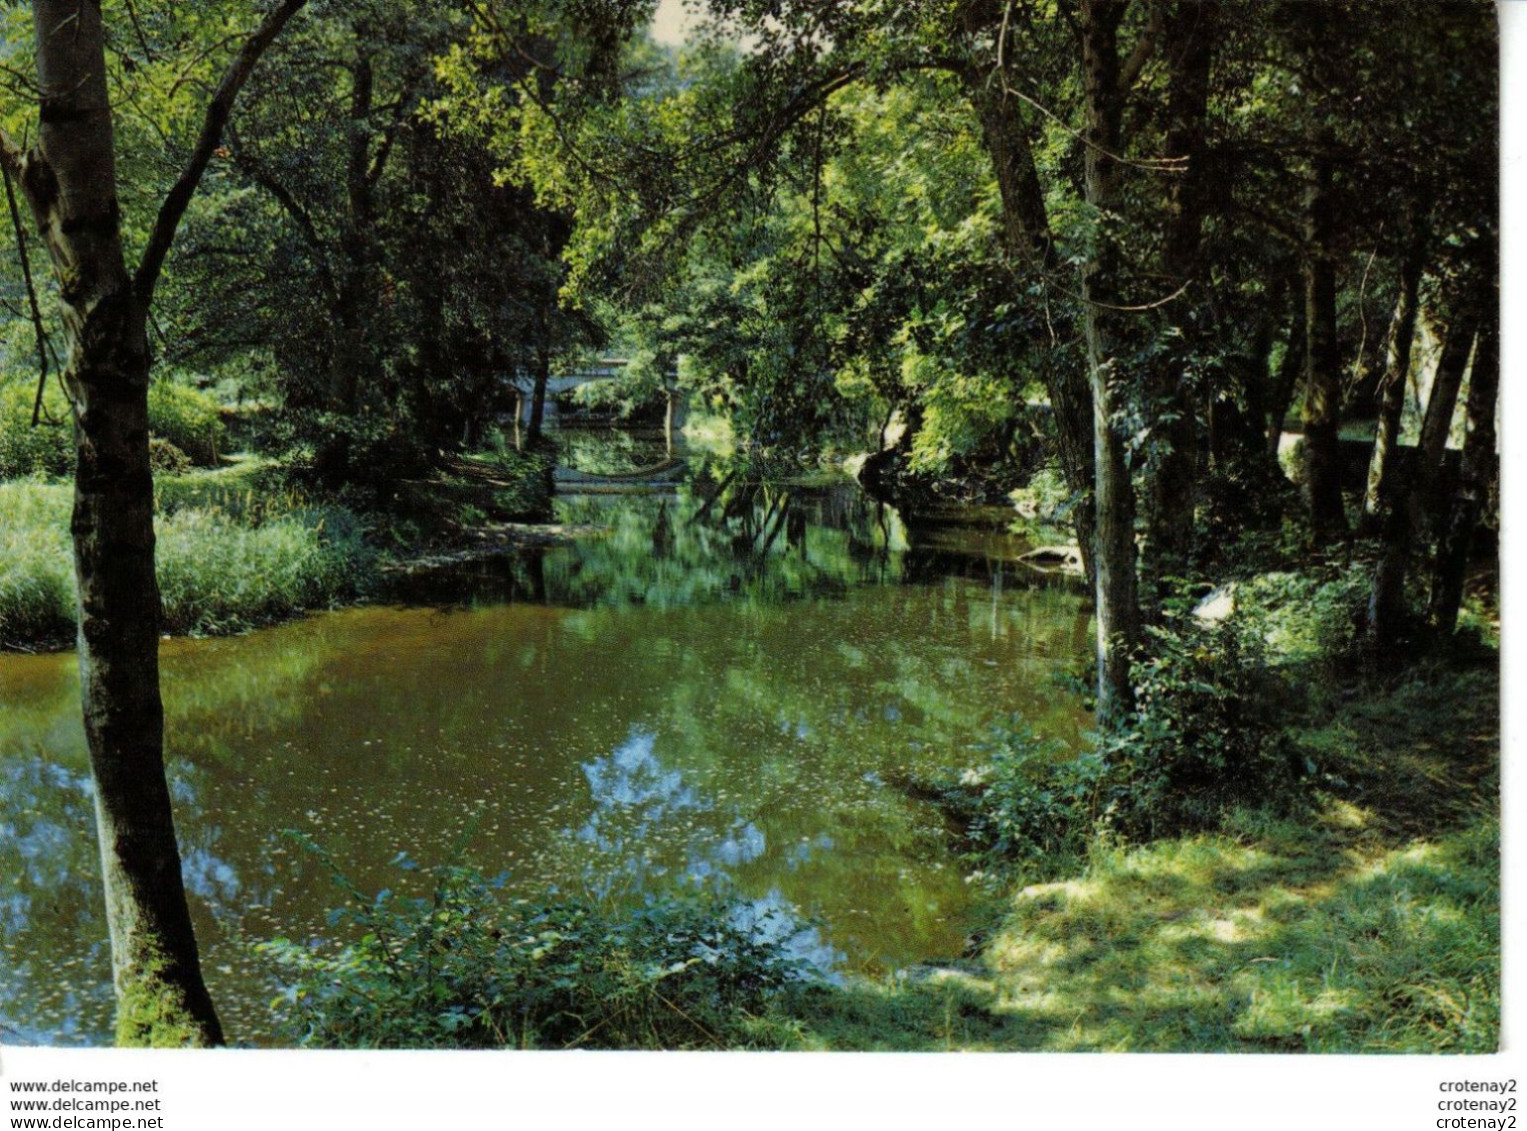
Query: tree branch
x=390, y=134
x=11, y=155
x=1129, y=74
x=218, y=111
x=294, y=209
x=26, y=275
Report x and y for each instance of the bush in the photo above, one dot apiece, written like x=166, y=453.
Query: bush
x=1029, y=803
x=218, y=571
x=1316, y=616
x=1204, y=735
x=179, y=419
x=189, y=419
x=165, y=458
x=217, y=574
x=365, y=453
x=47, y=449
x=465, y=967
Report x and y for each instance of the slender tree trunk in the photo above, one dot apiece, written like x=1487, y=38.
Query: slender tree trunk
x=1118, y=612
x=1479, y=471
x=1236, y=434
x=1437, y=421
x=1029, y=242
x=1403, y=507
x=1321, y=415
x=1286, y=381
x=1394, y=383
x=1189, y=46
x=355, y=309
x=71, y=183
x=538, y=394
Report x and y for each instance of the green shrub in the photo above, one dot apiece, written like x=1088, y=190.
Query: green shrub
x=187, y=418
x=1204, y=735
x=465, y=967
x=165, y=458
x=218, y=571
x=180, y=417
x=1029, y=803
x=1299, y=617
x=47, y=449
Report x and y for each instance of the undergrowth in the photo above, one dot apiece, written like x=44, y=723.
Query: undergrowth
x=466, y=966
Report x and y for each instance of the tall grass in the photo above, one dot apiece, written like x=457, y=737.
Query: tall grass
x=220, y=570
x=36, y=569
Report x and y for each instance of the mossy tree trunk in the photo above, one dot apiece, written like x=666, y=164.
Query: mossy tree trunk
x=1106, y=82
x=70, y=182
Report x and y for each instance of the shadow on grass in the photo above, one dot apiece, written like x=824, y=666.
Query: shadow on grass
x=1369, y=923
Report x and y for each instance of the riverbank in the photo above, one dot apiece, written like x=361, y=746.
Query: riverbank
x=240, y=547
x=1366, y=918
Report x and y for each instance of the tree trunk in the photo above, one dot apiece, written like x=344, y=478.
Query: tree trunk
x=1395, y=380
x=71, y=183
x=1286, y=381
x=1238, y=435
x=1118, y=613
x=1189, y=47
x=1437, y=422
x=538, y=395
x=1403, y=507
x=355, y=309
x=1479, y=471
x=1028, y=241
x=1321, y=415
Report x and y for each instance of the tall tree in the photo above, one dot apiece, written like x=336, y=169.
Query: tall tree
x=1107, y=79
x=1188, y=42
x=70, y=181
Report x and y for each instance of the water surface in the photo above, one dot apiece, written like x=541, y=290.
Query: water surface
x=719, y=693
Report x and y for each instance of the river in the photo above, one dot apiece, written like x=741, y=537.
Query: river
x=718, y=693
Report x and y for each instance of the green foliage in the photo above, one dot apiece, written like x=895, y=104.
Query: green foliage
x=217, y=574
x=184, y=425
x=36, y=564
x=47, y=449
x=167, y=459
x=187, y=418
x=467, y=967
x=1204, y=735
x=1029, y=803
x=220, y=569
x=1312, y=615
x=366, y=453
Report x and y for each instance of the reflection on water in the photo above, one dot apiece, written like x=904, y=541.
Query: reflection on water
x=647, y=828
x=711, y=696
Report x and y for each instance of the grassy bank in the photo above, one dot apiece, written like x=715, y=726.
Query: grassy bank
x=230, y=557
x=1361, y=915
